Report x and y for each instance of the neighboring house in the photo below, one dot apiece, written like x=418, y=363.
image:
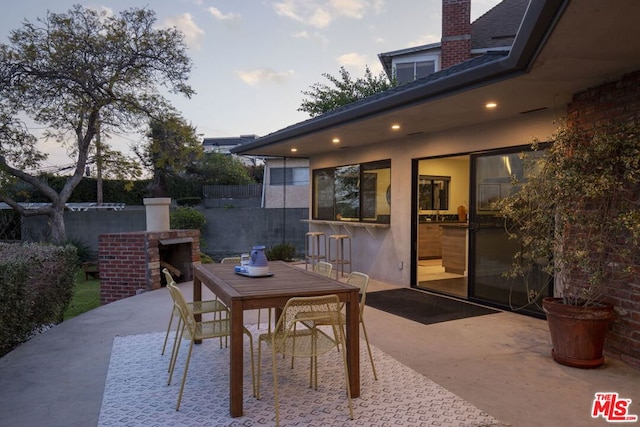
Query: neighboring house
x=422, y=152
x=223, y=145
x=286, y=183
x=461, y=40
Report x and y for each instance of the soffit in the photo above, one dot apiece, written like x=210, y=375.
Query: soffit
x=592, y=43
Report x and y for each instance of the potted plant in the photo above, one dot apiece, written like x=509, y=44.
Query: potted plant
x=577, y=217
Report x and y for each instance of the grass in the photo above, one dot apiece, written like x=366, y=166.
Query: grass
x=86, y=296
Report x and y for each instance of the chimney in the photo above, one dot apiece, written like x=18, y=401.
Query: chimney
x=157, y=213
x=456, y=32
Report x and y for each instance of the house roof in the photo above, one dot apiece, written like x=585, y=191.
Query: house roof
x=562, y=47
x=497, y=28
x=228, y=141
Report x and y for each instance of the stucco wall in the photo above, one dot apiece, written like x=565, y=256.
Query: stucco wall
x=382, y=255
x=228, y=230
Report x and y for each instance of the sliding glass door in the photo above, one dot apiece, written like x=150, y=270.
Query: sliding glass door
x=491, y=249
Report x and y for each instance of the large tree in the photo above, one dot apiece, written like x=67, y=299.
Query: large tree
x=345, y=90
x=172, y=145
x=75, y=73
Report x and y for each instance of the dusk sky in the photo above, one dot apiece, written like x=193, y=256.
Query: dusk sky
x=253, y=58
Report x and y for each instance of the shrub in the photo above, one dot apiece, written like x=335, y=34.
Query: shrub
x=189, y=201
x=281, y=252
x=36, y=285
x=187, y=218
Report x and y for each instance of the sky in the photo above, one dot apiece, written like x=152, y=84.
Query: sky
x=252, y=59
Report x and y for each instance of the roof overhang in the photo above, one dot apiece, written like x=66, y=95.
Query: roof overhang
x=563, y=47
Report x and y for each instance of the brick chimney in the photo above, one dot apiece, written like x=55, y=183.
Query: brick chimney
x=456, y=32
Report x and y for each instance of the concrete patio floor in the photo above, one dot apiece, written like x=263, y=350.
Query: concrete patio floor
x=499, y=363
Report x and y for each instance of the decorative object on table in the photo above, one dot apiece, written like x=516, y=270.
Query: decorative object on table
x=577, y=216
x=258, y=265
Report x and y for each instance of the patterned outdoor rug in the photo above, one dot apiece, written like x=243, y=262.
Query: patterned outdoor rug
x=136, y=391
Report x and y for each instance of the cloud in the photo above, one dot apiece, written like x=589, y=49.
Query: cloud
x=217, y=14
x=320, y=14
x=352, y=60
x=262, y=75
x=425, y=39
x=192, y=33
x=358, y=62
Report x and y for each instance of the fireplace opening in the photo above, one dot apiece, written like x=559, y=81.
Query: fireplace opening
x=175, y=256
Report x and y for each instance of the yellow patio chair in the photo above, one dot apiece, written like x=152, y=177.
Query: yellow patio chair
x=292, y=337
x=197, y=331
x=231, y=260
x=323, y=268
x=197, y=307
x=360, y=280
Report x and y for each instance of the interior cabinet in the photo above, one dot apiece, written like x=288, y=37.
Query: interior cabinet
x=454, y=249
x=429, y=241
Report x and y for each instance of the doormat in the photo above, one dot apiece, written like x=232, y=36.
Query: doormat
x=423, y=307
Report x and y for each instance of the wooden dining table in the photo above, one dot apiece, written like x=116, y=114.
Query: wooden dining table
x=242, y=293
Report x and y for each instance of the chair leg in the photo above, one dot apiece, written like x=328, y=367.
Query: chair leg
x=366, y=338
x=166, y=337
x=184, y=375
x=346, y=371
x=253, y=372
x=174, y=355
x=175, y=342
x=275, y=383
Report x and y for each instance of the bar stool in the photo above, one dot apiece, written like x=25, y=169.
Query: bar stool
x=312, y=248
x=340, y=258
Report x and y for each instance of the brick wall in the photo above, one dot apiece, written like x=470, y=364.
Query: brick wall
x=615, y=101
x=129, y=263
x=456, y=32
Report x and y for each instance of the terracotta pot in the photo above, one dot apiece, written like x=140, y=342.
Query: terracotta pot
x=577, y=333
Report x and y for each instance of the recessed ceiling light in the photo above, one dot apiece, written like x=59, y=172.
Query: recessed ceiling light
x=335, y=140
x=395, y=127
x=491, y=105
x=293, y=150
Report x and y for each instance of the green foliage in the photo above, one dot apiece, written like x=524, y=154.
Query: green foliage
x=221, y=169
x=86, y=296
x=84, y=252
x=187, y=218
x=36, y=285
x=76, y=73
x=324, y=98
x=578, y=214
x=281, y=252
x=206, y=259
x=189, y=201
x=173, y=143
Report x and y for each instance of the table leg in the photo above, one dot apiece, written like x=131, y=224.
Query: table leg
x=197, y=296
x=236, y=361
x=353, y=343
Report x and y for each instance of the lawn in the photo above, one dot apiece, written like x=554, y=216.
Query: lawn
x=86, y=296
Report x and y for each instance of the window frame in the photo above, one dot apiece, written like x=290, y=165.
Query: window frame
x=358, y=192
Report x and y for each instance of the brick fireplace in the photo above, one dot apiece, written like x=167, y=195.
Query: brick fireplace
x=130, y=263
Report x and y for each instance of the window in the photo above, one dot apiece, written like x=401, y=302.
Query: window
x=434, y=192
x=409, y=71
x=360, y=192
x=289, y=176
